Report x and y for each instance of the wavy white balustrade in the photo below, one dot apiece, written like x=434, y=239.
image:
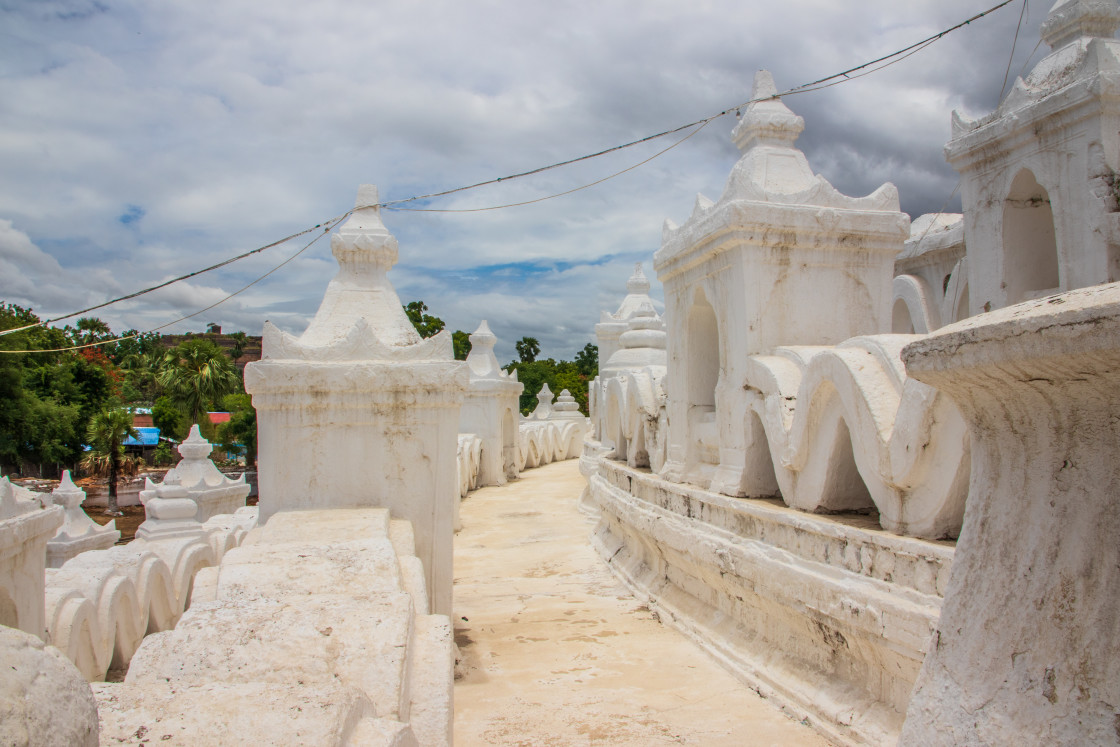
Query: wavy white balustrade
x=101, y=604
x=822, y=409
x=469, y=457
x=545, y=441
x=841, y=428
x=635, y=420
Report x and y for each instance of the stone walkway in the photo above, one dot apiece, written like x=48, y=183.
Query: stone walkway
x=556, y=652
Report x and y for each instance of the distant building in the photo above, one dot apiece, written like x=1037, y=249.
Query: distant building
x=250, y=350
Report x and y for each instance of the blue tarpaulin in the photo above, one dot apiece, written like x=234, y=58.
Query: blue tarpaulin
x=148, y=437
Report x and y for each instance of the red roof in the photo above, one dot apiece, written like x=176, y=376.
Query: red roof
x=218, y=417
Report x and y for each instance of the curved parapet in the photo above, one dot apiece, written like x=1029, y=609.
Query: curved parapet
x=635, y=417
x=846, y=430
x=543, y=441
x=101, y=604
x=469, y=457
x=914, y=308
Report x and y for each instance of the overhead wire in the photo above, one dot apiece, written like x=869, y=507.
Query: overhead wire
x=804, y=88
x=822, y=83
x=1010, y=58
x=1014, y=42
x=327, y=226
x=558, y=194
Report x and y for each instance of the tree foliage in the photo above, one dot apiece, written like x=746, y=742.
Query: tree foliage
x=559, y=375
x=106, y=434
x=426, y=324
x=462, y=342
x=46, y=399
x=196, y=374
x=587, y=361
x=241, y=428
x=528, y=348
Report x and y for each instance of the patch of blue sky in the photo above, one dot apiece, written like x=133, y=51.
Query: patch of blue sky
x=132, y=214
x=515, y=273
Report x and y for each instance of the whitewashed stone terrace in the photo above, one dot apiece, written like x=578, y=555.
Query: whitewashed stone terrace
x=847, y=420
x=315, y=631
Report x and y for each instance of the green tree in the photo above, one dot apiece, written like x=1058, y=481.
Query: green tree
x=171, y=421
x=91, y=329
x=587, y=361
x=527, y=349
x=424, y=323
x=107, y=431
x=196, y=374
x=462, y=342
x=46, y=399
x=241, y=429
x=135, y=343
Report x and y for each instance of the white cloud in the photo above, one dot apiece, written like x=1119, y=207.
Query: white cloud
x=145, y=140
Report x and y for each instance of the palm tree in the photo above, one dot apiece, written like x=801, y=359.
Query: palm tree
x=196, y=373
x=107, y=431
x=527, y=349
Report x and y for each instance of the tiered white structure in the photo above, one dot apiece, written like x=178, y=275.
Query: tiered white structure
x=737, y=276
x=78, y=532
x=490, y=410
x=359, y=411
x=628, y=417
x=211, y=491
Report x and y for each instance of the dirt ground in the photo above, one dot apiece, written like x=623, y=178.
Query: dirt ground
x=133, y=517
x=554, y=651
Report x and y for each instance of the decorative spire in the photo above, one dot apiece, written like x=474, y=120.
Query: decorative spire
x=67, y=494
x=1070, y=20
x=566, y=408
x=78, y=532
x=361, y=294
x=481, y=360
x=544, y=404
x=638, y=282
x=766, y=122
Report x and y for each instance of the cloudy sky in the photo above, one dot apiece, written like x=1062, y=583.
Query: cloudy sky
x=142, y=140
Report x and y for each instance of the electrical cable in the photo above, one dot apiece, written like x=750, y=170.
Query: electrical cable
x=804, y=88
x=1010, y=58
x=172, y=281
x=1014, y=42
x=558, y=194
x=826, y=82
x=328, y=226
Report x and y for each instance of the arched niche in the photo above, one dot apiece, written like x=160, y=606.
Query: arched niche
x=1030, y=249
x=702, y=359
x=901, y=321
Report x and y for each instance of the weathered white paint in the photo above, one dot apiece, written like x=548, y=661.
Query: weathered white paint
x=359, y=411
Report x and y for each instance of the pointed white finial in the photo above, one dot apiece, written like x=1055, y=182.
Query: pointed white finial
x=67, y=494
x=481, y=360
x=767, y=121
x=638, y=282
x=763, y=86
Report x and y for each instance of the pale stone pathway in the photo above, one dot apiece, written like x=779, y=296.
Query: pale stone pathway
x=556, y=652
